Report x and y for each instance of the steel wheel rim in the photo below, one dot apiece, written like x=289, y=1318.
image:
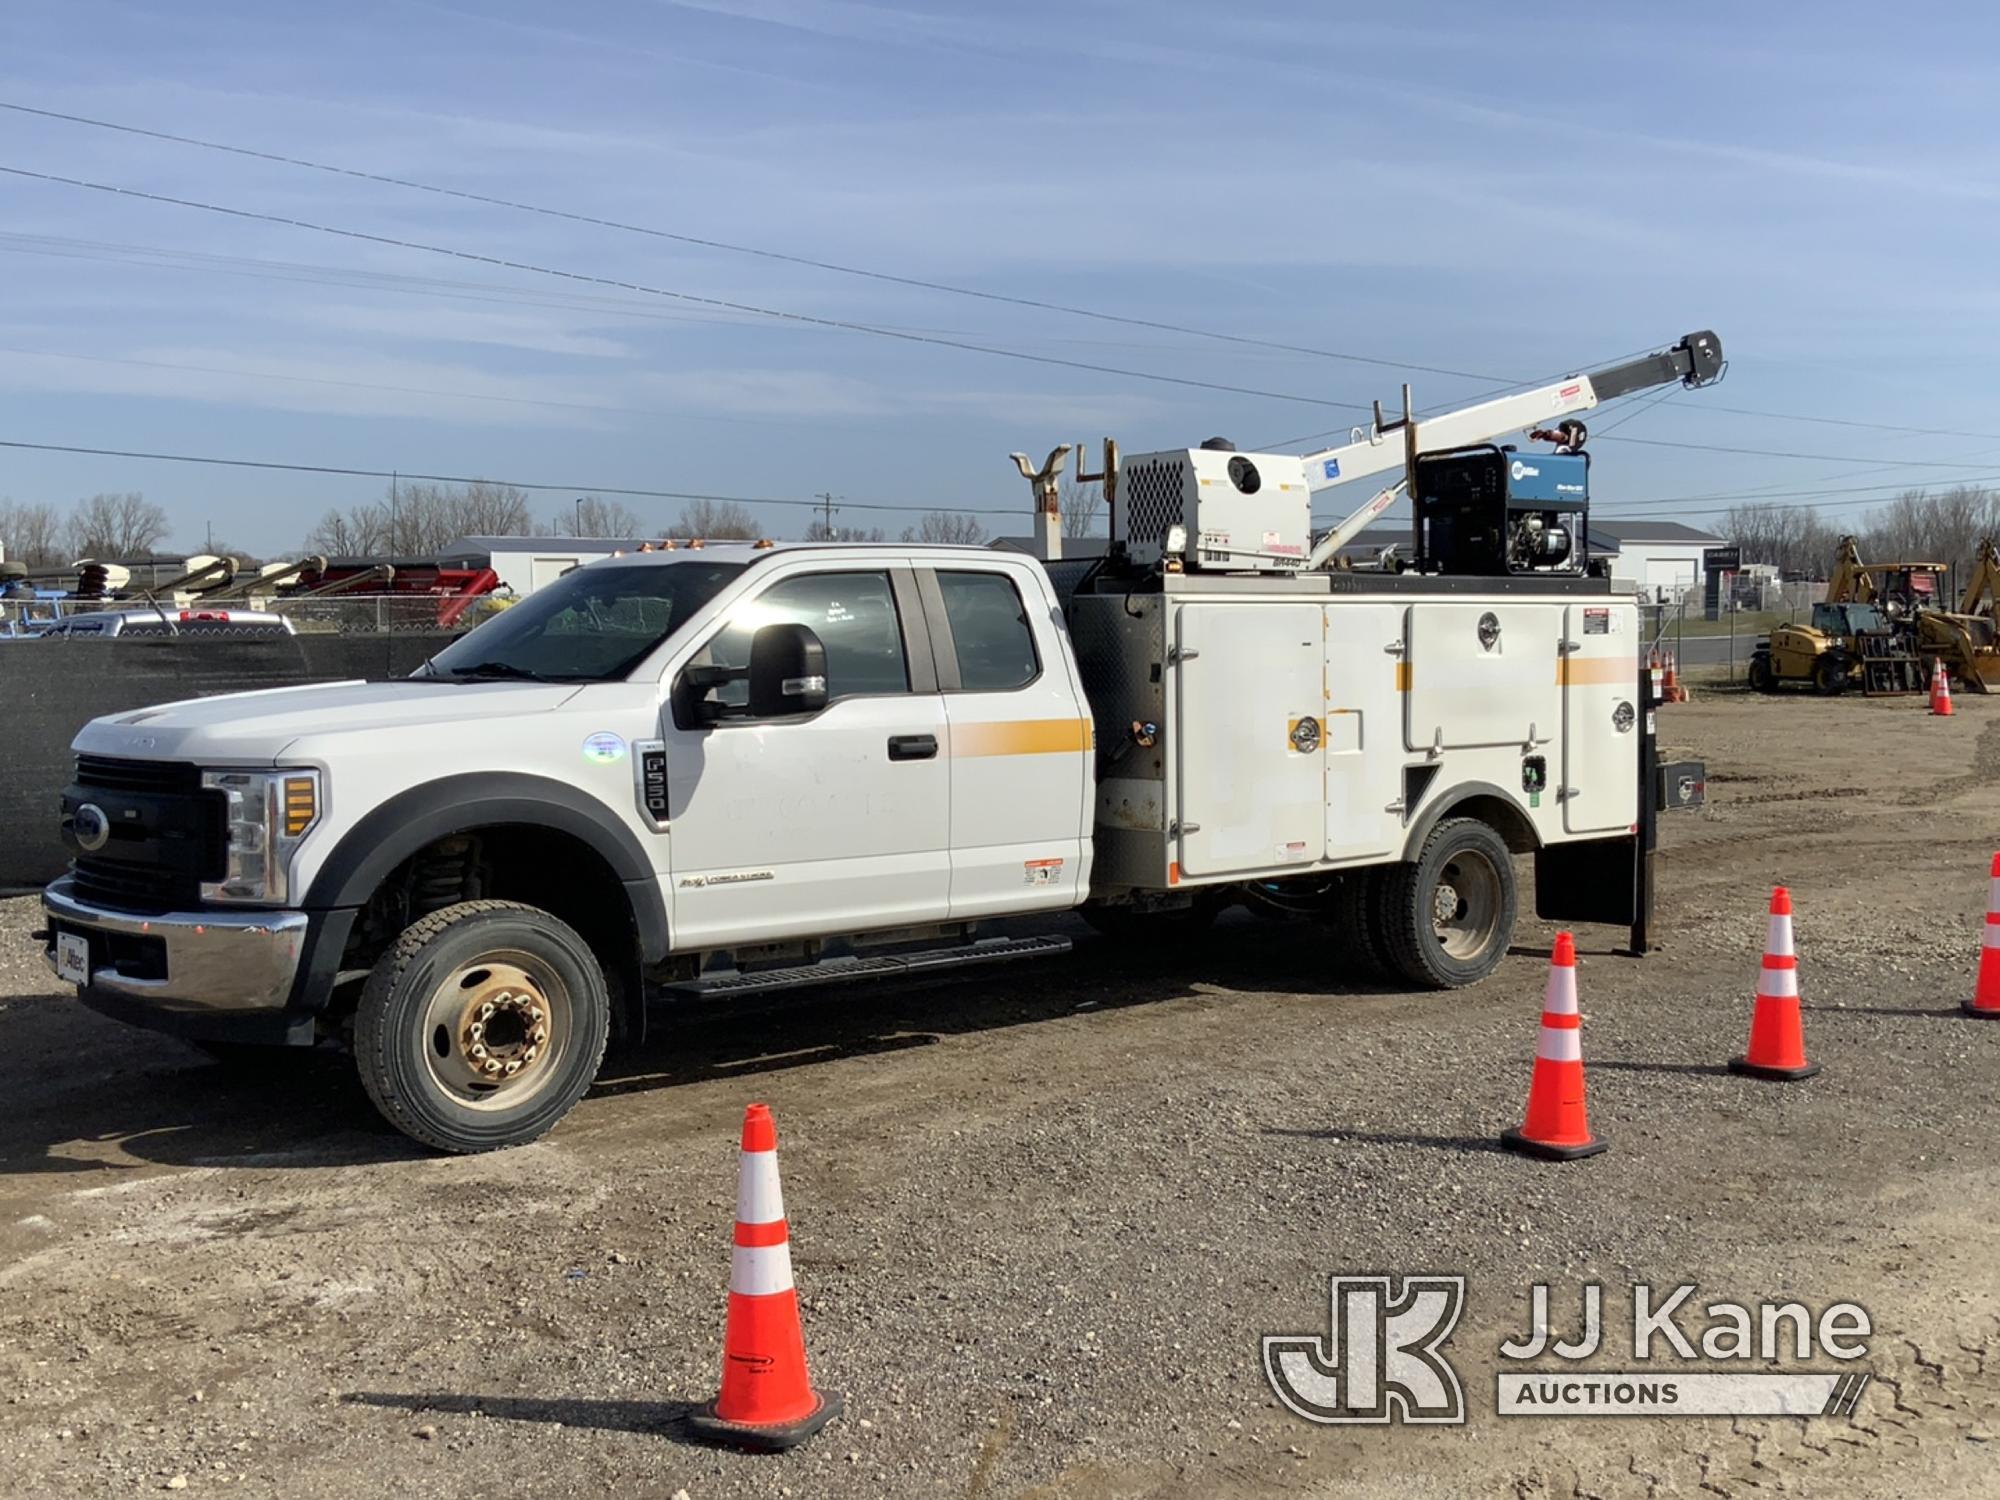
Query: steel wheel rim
x=495, y=1030
x=1465, y=905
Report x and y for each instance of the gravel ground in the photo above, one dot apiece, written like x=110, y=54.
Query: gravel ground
x=1041, y=1216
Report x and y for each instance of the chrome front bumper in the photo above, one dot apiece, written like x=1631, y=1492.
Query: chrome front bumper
x=190, y=963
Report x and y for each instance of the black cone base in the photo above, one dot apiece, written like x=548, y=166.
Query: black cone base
x=762, y=1437
x=1513, y=1140
x=1984, y=1012
x=1749, y=1069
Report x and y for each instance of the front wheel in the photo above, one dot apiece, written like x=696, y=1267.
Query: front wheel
x=1763, y=676
x=1446, y=920
x=481, y=1026
x=1830, y=674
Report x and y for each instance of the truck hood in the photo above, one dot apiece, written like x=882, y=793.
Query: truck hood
x=254, y=728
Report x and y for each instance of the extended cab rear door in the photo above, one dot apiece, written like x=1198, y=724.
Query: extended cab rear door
x=1020, y=738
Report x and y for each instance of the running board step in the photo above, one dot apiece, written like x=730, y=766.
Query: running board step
x=883, y=966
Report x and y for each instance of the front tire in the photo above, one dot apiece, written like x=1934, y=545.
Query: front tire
x=1446, y=920
x=1830, y=674
x=481, y=1026
x=1763, y=676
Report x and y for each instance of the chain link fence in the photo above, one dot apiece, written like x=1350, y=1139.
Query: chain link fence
x=379, y=614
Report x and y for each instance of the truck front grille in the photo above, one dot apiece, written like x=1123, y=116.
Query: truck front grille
x=167, y=834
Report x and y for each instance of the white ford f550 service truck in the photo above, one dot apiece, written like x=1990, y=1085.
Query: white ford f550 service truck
x=732, y=765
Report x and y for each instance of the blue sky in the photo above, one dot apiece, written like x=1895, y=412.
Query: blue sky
x=1467, y=186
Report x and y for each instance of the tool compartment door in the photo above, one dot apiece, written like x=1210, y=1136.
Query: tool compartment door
x=1364, y=767
x=1482, y=674
x=1601, y=705
x=1250, y=732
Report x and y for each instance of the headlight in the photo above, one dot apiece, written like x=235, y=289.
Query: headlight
x=268, y=814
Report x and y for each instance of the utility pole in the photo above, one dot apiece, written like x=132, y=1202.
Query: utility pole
x=579, y=515
x=394, y=478
x=827, y=508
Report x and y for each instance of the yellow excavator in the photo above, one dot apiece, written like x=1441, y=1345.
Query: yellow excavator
x=1875, y=629
x=1985, y=585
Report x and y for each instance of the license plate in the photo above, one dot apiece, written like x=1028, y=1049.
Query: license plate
x=72, y=958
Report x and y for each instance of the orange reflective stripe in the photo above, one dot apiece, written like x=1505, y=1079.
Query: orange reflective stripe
x=1595, y=670
x=1022, y=737
x=757, y=1236
x=1562, y=1021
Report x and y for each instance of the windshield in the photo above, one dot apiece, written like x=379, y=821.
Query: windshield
x=593, y=624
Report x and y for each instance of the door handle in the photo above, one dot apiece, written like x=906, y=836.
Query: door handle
x=912, y=747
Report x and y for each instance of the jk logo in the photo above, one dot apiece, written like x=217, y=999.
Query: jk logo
x=1380, y=1360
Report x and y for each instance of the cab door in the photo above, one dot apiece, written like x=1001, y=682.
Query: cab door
x=1021, y=740
x=817, y=824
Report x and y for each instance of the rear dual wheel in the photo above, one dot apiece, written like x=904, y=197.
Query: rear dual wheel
x=1445, y=920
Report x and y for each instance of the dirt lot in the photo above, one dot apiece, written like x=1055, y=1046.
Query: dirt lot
x=1041, y=1217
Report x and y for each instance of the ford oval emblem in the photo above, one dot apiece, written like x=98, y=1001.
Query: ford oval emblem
x=91, y=827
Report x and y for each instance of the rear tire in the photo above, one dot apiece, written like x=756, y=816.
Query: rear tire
x=481, y=1026
x=1763, y=676
x=1447, y=919
x=1354, y=923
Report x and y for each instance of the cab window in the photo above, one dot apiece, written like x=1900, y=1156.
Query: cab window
x=990, y=632
x=854, y=616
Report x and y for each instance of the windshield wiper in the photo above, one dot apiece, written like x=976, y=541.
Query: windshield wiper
x=504, y=669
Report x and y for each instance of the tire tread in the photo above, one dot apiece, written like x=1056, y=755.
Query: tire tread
x=371, y=1031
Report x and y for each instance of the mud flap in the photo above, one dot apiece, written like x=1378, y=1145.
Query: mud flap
x=1598, y=880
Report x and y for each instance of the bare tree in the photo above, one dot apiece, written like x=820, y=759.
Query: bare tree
x=720, y=520
x=32, y=534
x=360, y=531
x=596, y=516
x=116, y=526
x=1080, y=505
x=416, y=520
x=946, y=526
x=820, y=531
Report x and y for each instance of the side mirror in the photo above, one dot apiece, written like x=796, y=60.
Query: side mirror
x=787, y=672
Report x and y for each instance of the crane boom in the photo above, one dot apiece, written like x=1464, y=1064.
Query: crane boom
x=1696, y=360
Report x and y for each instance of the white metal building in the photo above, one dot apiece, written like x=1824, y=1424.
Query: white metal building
x=1661, y=559
x=525, y=563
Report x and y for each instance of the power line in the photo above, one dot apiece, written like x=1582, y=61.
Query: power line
x=760, y=252
x=805, y=319
x=519, y=484
x=919, y=283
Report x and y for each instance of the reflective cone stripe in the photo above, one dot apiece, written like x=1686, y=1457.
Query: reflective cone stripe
x=1940, y=688
x=1986, y=992
x=1777, y=1033
x=1556, y=1124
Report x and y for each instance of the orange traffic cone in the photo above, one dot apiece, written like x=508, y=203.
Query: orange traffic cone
x=1556, y=1128
x=1777, y=1039
x=1940, y=689
x=1672, y=690
x=1985, y=999
x=767, y=1404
